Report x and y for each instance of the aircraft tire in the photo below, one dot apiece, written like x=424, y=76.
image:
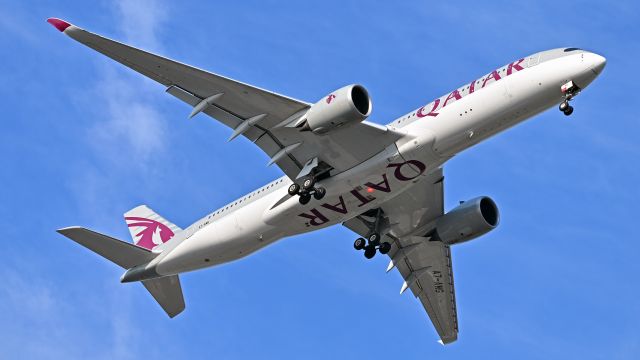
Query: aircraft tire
x=369, y=252
x=568, y=111
x=359, y=244
x=319, y=193
x=294, y=189
x=304, y=199
x=374, y=238
x=384, y=248
x=308, y=183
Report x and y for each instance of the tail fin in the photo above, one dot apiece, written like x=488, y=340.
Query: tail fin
x=149, y=229
x=166, y=290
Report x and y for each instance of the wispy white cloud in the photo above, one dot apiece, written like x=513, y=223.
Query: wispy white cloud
x=42, y=321
x=35, y=299
x=128, y=131
x=37, y=306
x=15, y=23
x=123, y=330
x=140, y=21
x=133, y=128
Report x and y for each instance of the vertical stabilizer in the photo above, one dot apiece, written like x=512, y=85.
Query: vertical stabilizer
x=149, y=229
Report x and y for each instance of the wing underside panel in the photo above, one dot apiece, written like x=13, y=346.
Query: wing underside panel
x=232, y=102
x=428, y=273
x=425, y=265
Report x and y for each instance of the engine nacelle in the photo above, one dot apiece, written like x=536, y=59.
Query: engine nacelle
x=344, y=106
x=468, y=221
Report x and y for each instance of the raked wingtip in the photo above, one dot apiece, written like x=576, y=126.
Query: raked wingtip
x=59, y=24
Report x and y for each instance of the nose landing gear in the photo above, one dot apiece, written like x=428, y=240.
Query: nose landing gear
x=566, y=108
x=569, y=90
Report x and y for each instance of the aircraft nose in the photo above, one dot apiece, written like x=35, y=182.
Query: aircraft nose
x=598, y=63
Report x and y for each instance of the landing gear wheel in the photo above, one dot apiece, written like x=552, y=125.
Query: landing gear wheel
x=308, y=183
x=374, y=238
x=564, y=105
x=570, y=90
x=568, y=111
x=304, y=198
x=359, y=244
x=294, y=189
x=319, y=193
x=369, y=252
x=384, y=248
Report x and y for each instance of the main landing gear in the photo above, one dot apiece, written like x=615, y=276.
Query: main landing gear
x=306, y=190
x=372, y=243
x=569, y=90
x=305, y=183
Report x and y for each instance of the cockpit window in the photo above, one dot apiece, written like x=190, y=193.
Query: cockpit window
x=571, y=49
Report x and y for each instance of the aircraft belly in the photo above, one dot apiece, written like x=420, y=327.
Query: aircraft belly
x=225, y=240
x=350, y=193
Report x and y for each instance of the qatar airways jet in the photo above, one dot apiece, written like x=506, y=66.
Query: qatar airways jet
x=383, y=182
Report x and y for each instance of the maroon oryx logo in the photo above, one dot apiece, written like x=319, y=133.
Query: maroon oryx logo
x=153, y=233
x=330, y=98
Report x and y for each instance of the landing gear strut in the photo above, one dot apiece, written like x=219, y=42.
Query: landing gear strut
x=569, y=90
x=372, y=244
x=307, y=190
x=304, y=185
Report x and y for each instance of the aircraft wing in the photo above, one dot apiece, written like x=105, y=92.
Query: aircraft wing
x=424, y=265
x=259, y=115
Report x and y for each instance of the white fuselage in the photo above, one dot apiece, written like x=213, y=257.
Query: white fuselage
x=433, y=134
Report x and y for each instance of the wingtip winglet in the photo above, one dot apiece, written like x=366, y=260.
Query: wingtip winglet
x=59, y=24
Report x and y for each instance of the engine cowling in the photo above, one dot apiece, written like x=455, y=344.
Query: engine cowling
x=342, y=107
x=468, y=221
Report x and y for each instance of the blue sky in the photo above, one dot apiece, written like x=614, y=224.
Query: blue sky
x=84, y=140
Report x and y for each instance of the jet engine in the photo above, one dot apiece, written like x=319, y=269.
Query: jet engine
x=468, y=221
x=344, y=106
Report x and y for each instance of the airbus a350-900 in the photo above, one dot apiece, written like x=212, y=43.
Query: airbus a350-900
x=383, y=182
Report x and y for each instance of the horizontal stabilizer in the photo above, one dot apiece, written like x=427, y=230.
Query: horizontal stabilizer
x=124, y=254
x=168, y=293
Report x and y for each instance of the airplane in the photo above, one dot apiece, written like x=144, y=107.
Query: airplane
x=385, y=183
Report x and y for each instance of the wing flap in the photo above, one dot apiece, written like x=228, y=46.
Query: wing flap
x=425, y=265
x=434, y=287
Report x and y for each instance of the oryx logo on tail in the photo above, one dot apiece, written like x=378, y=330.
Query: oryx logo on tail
x=148, y=229
x=151, y=234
